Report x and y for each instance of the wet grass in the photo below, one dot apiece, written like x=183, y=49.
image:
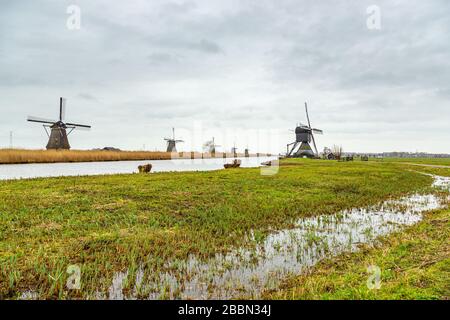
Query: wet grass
x=106, y=224
x=414, y=264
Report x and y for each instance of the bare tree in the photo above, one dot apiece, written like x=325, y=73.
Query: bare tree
x=338, y=151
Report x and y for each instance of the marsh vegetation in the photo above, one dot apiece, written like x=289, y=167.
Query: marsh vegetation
x=127, y=230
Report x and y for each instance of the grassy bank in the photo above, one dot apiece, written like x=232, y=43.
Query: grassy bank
x=429, y=161
x=432, y=166
x=106, y=224
x=414, y=264
x=16, y=156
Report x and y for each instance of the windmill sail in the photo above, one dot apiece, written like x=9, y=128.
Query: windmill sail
x=304, y=136
x=62, y=109
x=172, y=142
x=58, y=134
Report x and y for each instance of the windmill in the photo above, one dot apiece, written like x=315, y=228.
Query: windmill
x=304, y=134
x=210, y=146
x=172, y=142
x=246, y=152
x=234, y=150
x=57, y=139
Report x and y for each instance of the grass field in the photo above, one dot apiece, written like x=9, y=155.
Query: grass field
x=16, y=156
x=432, y=166
x=430, y=161
x=110, y=223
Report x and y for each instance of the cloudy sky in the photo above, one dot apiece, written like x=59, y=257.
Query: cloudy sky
x=239, y=70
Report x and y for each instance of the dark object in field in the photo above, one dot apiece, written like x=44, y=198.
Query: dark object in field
x=304, y=135
x=235, y=164
x=347, y=158
x=272, y=163
x=57, y=139
x=146, y=168
x=364, y=158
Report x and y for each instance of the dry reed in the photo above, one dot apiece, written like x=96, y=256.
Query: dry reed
x=16, y=156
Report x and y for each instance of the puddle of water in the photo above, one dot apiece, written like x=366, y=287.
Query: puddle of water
x=441, y=182
x=247, y=273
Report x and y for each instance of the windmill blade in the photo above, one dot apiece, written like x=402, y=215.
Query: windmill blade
x=41, y=120
x=79, y=126
x=292, y=150
x=307, y=115
x=315, y=146
x=62, y=109
x=317, y=131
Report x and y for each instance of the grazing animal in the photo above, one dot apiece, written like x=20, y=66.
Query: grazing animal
x=146, y=168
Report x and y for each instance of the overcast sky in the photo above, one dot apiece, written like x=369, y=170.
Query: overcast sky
x=239, y=70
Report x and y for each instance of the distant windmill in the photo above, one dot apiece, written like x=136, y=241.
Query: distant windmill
x=304, y=134
x=234, y=150
x=172, y=142
x=58, y=133
x=210, y=146
x=246, y=152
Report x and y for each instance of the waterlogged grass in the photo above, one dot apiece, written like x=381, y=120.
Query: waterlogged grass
x=105, y=224
x=413, y=264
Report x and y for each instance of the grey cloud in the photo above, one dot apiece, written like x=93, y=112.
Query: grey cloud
x=87, y=96
x=231, y=63
x=207, y=46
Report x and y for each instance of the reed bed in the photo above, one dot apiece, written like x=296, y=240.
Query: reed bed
x=16, y=156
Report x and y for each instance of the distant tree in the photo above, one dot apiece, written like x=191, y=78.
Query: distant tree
x=338, y=151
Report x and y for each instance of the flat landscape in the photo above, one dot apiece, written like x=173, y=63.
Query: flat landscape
x=136, y=224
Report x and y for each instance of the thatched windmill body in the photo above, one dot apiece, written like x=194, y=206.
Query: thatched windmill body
x=59, y=129
x=304, y=135
x=172, y=142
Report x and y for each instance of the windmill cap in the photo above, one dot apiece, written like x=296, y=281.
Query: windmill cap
x=302, y=129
